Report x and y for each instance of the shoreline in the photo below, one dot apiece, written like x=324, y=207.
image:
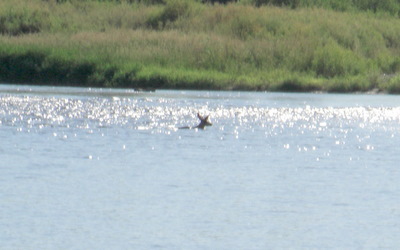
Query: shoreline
x=153, y=90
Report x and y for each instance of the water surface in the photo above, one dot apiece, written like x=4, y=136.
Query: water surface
x=108, y=169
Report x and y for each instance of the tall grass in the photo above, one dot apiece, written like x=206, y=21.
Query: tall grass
x=186, y=44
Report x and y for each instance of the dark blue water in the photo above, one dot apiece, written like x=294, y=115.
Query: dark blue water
x=108, y=169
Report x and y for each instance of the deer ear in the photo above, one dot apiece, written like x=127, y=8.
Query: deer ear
x=206, y=118
x=199, y=116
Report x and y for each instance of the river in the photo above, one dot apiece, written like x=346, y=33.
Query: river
x=84, y=168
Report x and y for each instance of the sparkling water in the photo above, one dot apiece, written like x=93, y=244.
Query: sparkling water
x=109, y=169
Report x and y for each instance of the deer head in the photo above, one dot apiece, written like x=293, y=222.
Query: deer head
x=204, y=121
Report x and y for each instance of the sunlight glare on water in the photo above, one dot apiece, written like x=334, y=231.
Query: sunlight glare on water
x=110, y=169
x=162, y=114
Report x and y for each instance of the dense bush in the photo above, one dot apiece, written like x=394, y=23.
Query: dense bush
x=281, y=3
x=219, y=1
x=48, y=66
x=388, y=6
x=39, y=67
x=172, y=11
x=392, y=84
x=331, y=60
x=22, y=21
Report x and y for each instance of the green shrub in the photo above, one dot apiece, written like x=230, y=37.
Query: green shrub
x=351, y=84
x=389, y=6
x=244, y=27
x=331, y=60
x=287, y=3
x=219, y=1
x=21, y=67
x=297, y=84
x=393, y=85
x=22, y=21
x=46, y=66
x=386, y=6
x=173, y=10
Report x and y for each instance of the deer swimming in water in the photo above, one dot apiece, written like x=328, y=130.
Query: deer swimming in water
x=204, y=121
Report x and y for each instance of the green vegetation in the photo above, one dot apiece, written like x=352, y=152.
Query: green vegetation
x=276, y=45
x=376, y=6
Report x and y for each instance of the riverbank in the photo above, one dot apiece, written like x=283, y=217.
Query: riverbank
x=189, y=45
